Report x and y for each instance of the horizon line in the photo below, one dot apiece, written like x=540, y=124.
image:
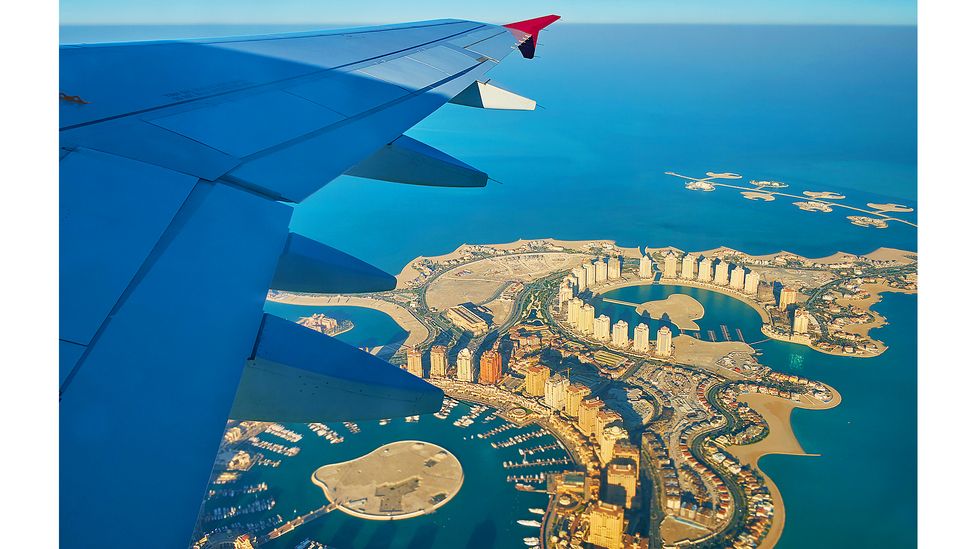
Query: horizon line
x=564, y=23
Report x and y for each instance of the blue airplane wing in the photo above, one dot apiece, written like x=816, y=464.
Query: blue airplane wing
x=180, y=163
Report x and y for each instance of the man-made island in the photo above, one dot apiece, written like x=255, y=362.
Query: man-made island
x=665, y=420
x=399, y=480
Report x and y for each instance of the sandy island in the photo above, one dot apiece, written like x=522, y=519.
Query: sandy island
x=396, y=481
x=682, y=309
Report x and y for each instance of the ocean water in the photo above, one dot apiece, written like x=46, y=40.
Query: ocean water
x=821, y=108
x=483, y=514
x=862, y=489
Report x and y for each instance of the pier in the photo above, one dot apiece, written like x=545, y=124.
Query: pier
x=298, y=521
x=542, y=448
x=519, y=439
x=536, y=463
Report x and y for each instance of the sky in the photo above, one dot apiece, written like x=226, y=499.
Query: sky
x=870, y=12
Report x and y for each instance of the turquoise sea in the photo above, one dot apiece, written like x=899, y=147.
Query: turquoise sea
x=821, y=108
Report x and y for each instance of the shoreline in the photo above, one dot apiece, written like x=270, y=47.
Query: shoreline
x=626, y=283
x=777, y=412
x=416, y=330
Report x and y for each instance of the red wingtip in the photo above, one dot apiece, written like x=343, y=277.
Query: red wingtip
x=532, y=28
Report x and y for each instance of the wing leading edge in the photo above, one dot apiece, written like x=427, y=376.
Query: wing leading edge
x=179, y=164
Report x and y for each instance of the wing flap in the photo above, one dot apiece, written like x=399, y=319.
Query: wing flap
x=299, y=375
x=407, y=160
x=307, y=266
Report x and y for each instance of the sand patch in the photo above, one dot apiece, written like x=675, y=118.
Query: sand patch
x=682, y=309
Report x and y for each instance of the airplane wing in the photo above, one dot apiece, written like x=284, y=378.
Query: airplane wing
x=180, y=162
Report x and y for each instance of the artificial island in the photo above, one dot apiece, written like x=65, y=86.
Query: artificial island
x=664, y=419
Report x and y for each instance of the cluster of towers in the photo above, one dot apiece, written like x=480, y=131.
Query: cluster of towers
x=581, y=316
x=592, y=273
x=704, y=269
x=593, y=420
x=489, y=365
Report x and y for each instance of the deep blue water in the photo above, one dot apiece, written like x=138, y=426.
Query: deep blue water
x=862, y=490
x=822, y=108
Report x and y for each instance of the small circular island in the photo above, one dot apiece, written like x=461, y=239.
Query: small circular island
x=400, y=480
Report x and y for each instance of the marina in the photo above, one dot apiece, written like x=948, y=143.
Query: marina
x=234, y=502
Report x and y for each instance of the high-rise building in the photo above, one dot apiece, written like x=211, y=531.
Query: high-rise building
x=535, y=380
x=465, y=368
x=590, y=270
x=688, y=267
x=606, y=525
x=490, y=367
x=642, y=338
x=705, y=270
x=801, y=321
x=588, y=411
x=620, y=337
x=438, y=361
x=574, y=398
x=621, y=488
x=587, y=313
x=752, y=283
x=624, y=451
x=565, y=292
x=555, y=396
x=415, y=364
x=580, y=274
x=721, y=273
x=662, y=346
x=646, y=267
x=738, y=280
x=787, y=297
x=602, y=271
x=613, y=267
x=575, y=308
x=609, y=435
x=601, y=328
x=670, y=266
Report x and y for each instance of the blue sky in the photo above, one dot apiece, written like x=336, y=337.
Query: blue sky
x=883, y=12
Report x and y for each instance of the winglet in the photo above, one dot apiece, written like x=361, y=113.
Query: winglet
x=532, y=28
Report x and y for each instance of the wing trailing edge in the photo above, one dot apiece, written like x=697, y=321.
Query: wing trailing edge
x=298, y=375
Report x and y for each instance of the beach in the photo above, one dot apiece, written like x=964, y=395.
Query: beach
x=418, y=332
x=776, y=412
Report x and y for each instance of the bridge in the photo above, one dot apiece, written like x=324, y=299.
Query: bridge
x=619, y=302
x=298, y=521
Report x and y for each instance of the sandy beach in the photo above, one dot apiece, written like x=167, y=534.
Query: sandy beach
x=418, y=332
x=780, y=440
